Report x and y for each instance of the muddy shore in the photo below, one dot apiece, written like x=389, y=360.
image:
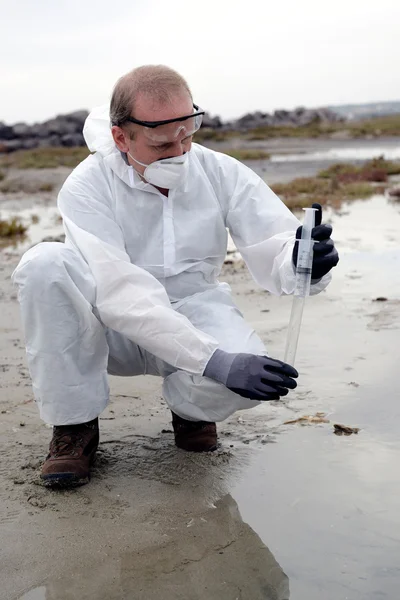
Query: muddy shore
x=280, y=511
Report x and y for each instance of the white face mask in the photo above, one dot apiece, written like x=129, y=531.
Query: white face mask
x=166, y=173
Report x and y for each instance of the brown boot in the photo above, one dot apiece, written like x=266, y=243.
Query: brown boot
x=194, y=436
x=71, y=453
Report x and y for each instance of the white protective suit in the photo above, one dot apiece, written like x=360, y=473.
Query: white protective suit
x=134, y=289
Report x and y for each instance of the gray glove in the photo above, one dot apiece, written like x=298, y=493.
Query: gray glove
x=251, y=376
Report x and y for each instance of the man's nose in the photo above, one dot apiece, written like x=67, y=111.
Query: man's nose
x=178, y=150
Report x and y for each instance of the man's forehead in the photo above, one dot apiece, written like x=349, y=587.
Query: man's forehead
x=148, y=108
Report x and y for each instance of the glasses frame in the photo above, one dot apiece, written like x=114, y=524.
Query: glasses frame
x=153, y=124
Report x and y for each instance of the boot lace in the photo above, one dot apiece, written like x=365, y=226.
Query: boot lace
x=66, y=443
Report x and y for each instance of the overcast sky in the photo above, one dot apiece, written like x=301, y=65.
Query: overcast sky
x=238, y=56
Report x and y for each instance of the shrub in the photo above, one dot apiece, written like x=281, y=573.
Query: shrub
x=45, y=158
x=11, y=228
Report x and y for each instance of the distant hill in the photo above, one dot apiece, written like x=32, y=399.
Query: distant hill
x=355, y=112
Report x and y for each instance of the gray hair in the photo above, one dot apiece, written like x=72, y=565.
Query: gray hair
x=158, y=81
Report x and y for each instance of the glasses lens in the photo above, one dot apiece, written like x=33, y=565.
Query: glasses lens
x=171, y=132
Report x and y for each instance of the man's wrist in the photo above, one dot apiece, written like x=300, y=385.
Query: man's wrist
x=219, y=365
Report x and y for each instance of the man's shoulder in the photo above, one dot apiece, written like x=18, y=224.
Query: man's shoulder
x=89, y=172
x=92, y=165
x=224, y=169
x=209, y=157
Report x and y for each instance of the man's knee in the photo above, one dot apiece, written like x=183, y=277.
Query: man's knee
x=51, y=263
x=39, y=262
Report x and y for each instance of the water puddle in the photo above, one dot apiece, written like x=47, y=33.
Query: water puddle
x=38, y=593
x=343, y=154
x=312, y=517
x=211, y=554
x=42, y=222
x=327, y=506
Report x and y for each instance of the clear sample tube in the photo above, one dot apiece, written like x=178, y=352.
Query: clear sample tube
x=303, y=283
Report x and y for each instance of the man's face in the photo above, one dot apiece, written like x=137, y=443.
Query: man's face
x=164, y=141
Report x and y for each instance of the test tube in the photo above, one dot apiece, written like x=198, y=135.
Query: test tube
x=302, y=286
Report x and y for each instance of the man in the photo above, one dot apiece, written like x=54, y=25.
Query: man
x=134, y=289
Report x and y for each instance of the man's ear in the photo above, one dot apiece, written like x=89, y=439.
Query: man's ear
x=120, y=138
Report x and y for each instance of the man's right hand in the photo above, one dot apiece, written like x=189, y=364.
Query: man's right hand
x=252, y=376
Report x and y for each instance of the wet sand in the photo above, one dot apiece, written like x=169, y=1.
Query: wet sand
x=280, y=511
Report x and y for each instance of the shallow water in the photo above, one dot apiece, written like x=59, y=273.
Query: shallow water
x=319, y=514
x=343, y=154
x=312, y=516
x=327, y=506
x=305, y=158
x=42, y=221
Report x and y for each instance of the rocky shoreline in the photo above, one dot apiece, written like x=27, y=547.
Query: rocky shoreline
x=66, y=130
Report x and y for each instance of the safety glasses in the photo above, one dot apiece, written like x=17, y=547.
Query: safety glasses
x=170, y=129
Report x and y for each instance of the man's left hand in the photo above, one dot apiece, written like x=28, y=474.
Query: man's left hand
x=325, y=254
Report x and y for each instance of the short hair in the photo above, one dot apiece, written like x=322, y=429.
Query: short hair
x=158, y=81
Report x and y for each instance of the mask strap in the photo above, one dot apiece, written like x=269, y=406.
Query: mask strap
x=137, y=161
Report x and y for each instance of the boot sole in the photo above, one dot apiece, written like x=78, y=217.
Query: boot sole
x=64, y=480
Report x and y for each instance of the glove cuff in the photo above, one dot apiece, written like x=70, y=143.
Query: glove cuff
x=219, y=365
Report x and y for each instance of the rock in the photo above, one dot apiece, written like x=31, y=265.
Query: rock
x=211, y=122
x=39, y=130
x=79, y=117
x=50, y=141
x=73, y=139
x=60, y=126
x=22, y=130
x=28, y=144
x=66, y=130
x=395, y=192
x=6, y=132
x=63, y=130
x=340, y=429
x=282, y=115
x=13, y=145
x=253, y=120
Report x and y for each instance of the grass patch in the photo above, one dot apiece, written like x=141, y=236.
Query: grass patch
x=381, y=126
x=376, y=127
x=12, y=228
x=44, y=158
x=334, y=197
x=14, y=186
x=247, y=154
x=46, y=187
x=215, y=135
x=358, y=190
x=377, y=169
x=336, y=184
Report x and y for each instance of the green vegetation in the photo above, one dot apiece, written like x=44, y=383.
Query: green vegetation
x=12, y=228
x=295, y=199
x=205, y=133
x=383, y=126
x=247, y=154
x=44, y=158
x=338, y=183
x=13, y=186
x=377, y=169
x=46, y=187
x=377, y=127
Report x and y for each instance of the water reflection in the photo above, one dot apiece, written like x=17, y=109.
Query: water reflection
x=215, y=556
x=36, y=594
x=341, y=154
